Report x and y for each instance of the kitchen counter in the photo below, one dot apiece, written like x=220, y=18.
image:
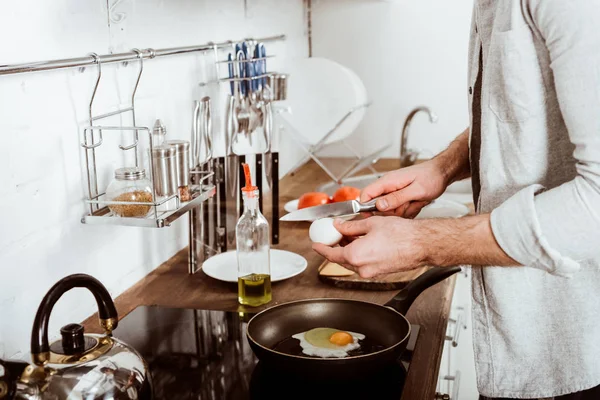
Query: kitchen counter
x=170, y=286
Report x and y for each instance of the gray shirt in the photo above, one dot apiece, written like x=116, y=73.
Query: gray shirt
x=537, y=328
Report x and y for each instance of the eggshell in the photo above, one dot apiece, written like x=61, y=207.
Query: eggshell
x=323, y=231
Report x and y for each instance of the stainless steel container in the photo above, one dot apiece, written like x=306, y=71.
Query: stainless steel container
x=278, y=86
x=182, y=167
x=164, y=171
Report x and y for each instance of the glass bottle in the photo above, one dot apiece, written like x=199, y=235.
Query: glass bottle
x=253, y=248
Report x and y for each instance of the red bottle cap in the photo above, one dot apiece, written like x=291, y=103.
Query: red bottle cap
x=248, y=189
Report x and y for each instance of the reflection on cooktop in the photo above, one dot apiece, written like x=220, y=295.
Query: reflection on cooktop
x=201, y=354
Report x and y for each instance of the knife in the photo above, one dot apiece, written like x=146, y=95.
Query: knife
x=330, y=210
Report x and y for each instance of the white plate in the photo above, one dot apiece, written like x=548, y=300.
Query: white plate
x=460, y=192
x=291, y=206
x=441, y=208
x=284, y=265
x=320, y=93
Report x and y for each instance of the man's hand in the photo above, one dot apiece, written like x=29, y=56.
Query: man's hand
x=381, y=245
x=378, y=245
x=406, y=191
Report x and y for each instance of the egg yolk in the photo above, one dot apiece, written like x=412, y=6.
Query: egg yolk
x=341, y=338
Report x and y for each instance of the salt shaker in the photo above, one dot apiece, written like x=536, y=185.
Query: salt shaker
x=159, y=131
x=164, y=173
x=182, y=167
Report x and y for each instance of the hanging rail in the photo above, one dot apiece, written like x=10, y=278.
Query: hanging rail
x=120, y=57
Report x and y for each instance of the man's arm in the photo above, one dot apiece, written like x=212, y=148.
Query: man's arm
x=454, y=161
x=390, y=244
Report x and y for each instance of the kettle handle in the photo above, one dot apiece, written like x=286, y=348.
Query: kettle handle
x=40, y=349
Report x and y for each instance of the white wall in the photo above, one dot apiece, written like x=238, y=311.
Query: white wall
x=41, y=115
x=407, y=53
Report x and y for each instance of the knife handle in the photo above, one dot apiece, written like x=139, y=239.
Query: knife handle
x=368, y=206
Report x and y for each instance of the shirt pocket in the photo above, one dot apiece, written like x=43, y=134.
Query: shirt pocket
x=515, y=81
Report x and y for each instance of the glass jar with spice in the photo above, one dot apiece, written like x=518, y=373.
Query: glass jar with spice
x=130, y=186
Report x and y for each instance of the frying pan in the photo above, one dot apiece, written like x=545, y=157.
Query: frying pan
x=385, y=324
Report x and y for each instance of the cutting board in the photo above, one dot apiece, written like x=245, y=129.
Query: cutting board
x=395, y=281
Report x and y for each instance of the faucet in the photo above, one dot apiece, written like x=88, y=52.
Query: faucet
x=407, y=156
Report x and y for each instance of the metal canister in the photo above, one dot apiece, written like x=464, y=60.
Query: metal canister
x=278, y=84
x=164, y=170
x=182, y=167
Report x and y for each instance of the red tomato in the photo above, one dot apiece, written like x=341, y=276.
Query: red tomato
x=346, y=193
x=312, y=199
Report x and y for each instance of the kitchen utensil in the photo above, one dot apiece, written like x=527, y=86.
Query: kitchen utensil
x=196, y=141
x=164, y=172
x=385, y=325
x=284, y=265
x=231, y=164
x=205, y=128
x=230, y=69
x=182, y=167
x=395, y=281
x=292, y=206
x=79, y=366
x=330, y=210
x=252, y=86
x=274, y=178
x=320, y=94
x=241, y=110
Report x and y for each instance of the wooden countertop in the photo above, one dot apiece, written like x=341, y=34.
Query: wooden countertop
x=170, y=285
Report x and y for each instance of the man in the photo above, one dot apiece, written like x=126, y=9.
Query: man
x=533, y=152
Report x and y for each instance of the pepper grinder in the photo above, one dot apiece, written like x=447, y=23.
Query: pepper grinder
x=159, y=131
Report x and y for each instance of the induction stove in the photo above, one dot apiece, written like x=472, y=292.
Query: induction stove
x=204, y=354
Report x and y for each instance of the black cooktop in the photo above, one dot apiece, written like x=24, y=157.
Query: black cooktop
x=204, y=355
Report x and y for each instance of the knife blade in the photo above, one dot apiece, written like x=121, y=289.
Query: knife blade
x=330, y=210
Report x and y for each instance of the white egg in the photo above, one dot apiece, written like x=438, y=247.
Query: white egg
x=321, y=347
x=323, y=231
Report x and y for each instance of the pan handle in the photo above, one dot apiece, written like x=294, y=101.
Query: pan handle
x=403, y=300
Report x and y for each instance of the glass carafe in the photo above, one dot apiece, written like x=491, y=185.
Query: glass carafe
x=253, y=247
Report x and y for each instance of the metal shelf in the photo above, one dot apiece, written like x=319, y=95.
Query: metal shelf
x=104, y=216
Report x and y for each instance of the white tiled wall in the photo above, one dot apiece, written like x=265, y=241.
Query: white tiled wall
x=407, y=53
x=41, y=114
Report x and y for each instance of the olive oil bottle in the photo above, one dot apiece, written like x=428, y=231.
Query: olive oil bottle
x=253, y=243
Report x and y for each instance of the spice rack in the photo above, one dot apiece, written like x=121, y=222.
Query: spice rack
x=205, y=238
x=93, y=138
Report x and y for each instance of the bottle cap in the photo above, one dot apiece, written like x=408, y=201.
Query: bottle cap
x=248, y=189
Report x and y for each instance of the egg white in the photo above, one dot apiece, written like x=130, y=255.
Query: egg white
x=342, y=351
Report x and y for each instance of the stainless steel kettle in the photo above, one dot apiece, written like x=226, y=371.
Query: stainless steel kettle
x=79, y=366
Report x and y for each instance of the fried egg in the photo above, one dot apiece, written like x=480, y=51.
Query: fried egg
x=328, y=342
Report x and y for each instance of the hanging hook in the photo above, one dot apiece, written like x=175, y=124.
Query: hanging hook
x=93, y=145
x=140, y=56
